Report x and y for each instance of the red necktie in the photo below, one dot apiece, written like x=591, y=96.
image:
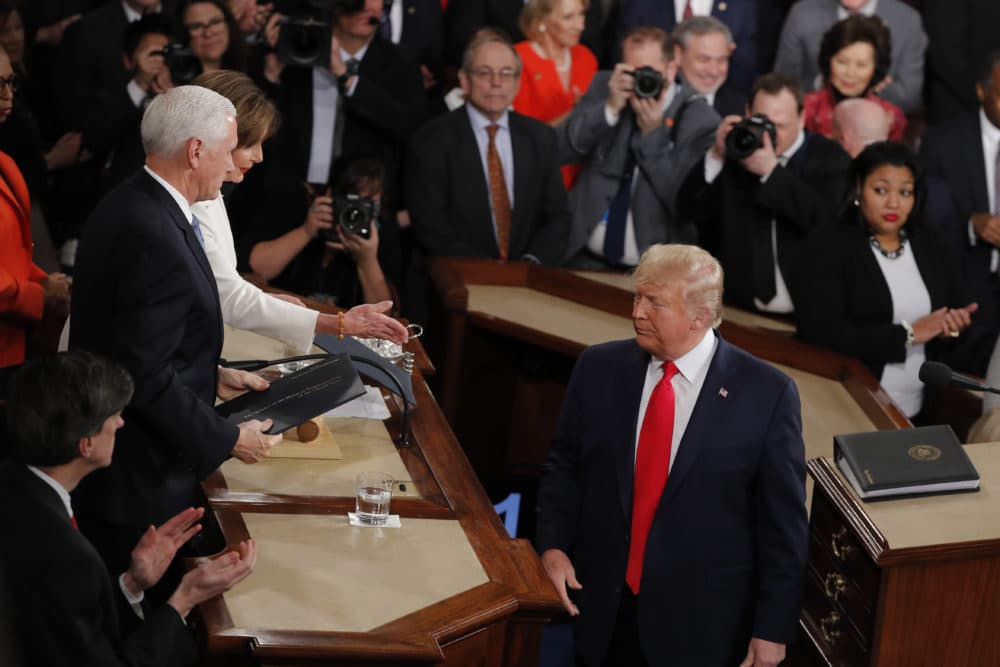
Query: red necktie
x=688, y=12
x=72, y=520
x=652, y=461
x=498, y=194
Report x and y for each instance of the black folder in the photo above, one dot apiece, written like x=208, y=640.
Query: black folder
x=905, y=462
x=298, y=396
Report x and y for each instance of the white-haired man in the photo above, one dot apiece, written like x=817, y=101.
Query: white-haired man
x=144, y=296
x=671, y=516
x=858, y=122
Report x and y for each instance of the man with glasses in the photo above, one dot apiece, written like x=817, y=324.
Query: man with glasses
x=484, y=181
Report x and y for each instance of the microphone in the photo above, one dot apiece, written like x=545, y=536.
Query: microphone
x=404, y=415
x=936, y=374
x=373, y=21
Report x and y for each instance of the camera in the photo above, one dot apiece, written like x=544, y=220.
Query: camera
x=748, y=135
x=184, y=66
x=354, y=214
x=304, y=33
x=648, y=82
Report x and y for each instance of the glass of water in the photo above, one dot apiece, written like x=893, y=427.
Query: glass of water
x=371, y=500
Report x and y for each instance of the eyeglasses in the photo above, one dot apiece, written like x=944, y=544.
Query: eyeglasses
x=204, y=28
x=487, y=75
x=12, y=81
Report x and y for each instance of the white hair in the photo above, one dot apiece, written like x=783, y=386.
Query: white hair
x=699, y=273
x=183, y=113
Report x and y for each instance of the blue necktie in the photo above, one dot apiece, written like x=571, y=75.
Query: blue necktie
x=614, y=232
x=196, y=226
x=385, y=23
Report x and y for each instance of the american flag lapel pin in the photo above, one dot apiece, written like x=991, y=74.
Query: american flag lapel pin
x=723, y=392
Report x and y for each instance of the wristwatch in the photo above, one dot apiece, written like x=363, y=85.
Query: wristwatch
x=909, y=332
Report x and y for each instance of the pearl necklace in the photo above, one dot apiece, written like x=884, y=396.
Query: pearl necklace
x=889, y=254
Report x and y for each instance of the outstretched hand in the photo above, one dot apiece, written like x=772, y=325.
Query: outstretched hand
x=369, y=321
x=158, y=546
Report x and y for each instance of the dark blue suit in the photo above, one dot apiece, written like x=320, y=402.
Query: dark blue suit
x=739, y=15
x=726, y=553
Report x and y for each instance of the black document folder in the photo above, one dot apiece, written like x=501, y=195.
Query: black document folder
x=912, y=461
x=299, y=396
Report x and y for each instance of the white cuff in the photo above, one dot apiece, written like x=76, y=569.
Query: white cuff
x=611, y=118
x=135, y=93
x=134, y=601
x=713, y=166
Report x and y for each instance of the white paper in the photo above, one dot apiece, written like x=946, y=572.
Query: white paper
x=368, y=406
x=391, y=521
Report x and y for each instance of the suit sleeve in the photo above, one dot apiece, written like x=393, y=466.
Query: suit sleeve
x=21, y=299
x=782, y=526
x=809, y=201
x=947, y=49
x=147, y=330
x=396, y=112
x=586, y=127
x=907, y=86
x=427, y=183
x=792, y=53
x=548, y=240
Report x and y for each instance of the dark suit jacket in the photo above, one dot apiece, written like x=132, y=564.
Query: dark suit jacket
x=144, y=296
x=952, y=153
x=726, y=552
x=843, y=301
x=960, y=37
x=422, y=39
x=67, y=605
x=802, y=197
x=387, y=105
x=465, y=17
x=739, y=15
x=449, y=198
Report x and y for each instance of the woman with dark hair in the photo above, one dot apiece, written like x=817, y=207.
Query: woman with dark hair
x=854, y=59
x=880, y=284
x=214, y=36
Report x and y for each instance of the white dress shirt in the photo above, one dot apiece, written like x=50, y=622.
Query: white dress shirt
x=396, y=20
x=244, y=305
x=867, y=9
x=698, y=8
x=990, y=136
x=687, y=383
x=173, y=192
x=504, y=148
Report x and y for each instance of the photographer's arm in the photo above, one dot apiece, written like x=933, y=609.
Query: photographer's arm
x=374, y=286
x=269, y=258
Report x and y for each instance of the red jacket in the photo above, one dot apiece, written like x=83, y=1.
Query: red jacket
x=21, y=297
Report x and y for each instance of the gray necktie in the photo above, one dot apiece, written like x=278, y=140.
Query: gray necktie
x=996, y=181
x=196, y=226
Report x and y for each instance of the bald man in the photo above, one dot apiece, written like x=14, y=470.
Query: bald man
x=858, y=122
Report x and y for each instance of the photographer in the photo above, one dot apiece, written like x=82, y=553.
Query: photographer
x=637, y=134
x=763, y=186
x=327, y=245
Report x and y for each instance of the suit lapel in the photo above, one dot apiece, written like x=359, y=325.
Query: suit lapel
x=632, y=376
x=523, y=155
x=977, y=166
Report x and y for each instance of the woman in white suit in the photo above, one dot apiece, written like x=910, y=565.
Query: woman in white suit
x=244, y=305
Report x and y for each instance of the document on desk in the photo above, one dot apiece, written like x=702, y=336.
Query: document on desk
x=369, y=406
x=299, y=396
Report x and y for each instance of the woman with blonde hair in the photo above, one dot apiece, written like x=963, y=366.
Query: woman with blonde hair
x=556, y=68
x=244, y=305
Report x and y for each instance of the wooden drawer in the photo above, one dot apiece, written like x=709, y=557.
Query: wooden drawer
x=857, y=603
x=830, y=630
x=831, y=535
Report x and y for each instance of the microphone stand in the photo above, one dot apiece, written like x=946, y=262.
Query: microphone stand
x=258, y=364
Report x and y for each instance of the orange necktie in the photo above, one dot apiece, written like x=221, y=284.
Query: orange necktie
x=652, y=462
x=498, y=194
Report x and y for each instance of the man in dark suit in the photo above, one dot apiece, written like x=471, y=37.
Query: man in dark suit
x=753, y=211
x=483, y=181
x=671, y=514
x=702, y=48
x=417, y=28
x=740, y=17
x=636, y=152
x=64, y=414
x=960, y=36
x=963, y=153
x=144, y=295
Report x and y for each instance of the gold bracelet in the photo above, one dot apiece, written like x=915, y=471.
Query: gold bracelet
x=340, y=334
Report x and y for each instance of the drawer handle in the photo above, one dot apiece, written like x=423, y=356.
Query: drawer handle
x=839, y=546
x=835, y=585
x=828, y=627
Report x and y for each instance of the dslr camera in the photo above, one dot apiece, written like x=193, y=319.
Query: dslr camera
x=648, y=82
x=748, y=135
x=184, y=66
x=354, y=214
x=304, y=32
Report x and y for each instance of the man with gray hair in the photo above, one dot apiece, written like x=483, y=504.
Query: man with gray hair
x=858, y=122
x=702, y=47
x=671, y=514
x=144, y=296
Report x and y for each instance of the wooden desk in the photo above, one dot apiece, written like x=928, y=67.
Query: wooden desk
x=909, y=582
x=500, y=319
x=449, y=587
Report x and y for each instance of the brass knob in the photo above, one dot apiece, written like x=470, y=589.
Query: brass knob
x=828, y=627
x=835, y=585
x=839, y=546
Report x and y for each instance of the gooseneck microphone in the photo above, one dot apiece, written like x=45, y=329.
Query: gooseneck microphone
x=936, y=374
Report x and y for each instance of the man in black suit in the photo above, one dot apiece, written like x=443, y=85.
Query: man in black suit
x=963, y=153
x=671, y=514
x=483, y=181
x=753, y=211
x=417, y=28
x=144, y=295
x=64, y=414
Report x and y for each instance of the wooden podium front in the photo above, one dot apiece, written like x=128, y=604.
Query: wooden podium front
x=908, y=582
x=447, y=588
